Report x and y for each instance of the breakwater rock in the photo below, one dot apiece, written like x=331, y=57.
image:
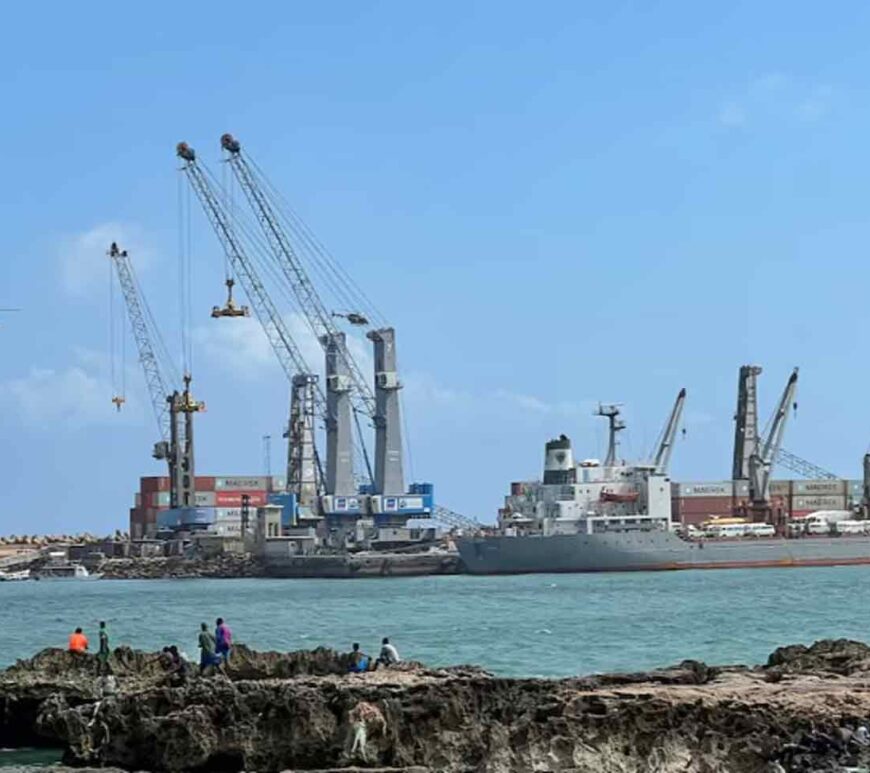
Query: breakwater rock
x=224, y=566
x=807, y=709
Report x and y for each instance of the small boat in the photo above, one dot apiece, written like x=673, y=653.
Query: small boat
x=65, y=571
x=15, y=576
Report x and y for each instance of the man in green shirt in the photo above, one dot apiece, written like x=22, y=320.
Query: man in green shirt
x=103, y=653
x=207, y=656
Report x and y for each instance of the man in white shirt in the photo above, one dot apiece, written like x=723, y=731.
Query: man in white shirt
x=389, y=654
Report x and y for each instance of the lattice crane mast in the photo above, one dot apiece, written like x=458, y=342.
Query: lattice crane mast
x=319, y=318
x=176, y=443
x=283, y=345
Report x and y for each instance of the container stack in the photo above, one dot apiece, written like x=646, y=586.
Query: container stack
x=223, y=493
x=694, y=503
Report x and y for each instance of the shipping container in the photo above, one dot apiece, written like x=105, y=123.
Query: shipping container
x=205, y=498
x=152, y=484
x=278, y=483
x=234, y=498
x=137, y=500
x=227, y=513
x=699, y=504
x=718, y=488
x=516, y=489
x=855, y=488
x=160, y=499
x=818, y=503
x=244, y=483
x=781, y=487
x=823, y=488
x=205, y=482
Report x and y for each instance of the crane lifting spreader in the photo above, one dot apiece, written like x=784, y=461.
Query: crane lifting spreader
x=230, y=309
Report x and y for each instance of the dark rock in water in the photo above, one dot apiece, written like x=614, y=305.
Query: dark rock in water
x=301, y=712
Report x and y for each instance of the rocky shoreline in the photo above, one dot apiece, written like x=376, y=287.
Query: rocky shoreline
x=806, y=709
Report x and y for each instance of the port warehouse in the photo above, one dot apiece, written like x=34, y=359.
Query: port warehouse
x=220, y=502
x=692, y=503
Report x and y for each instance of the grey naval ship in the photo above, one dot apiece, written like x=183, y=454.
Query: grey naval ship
x=593, y=516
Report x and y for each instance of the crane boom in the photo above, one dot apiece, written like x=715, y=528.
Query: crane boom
x=761, y=460
x=312, y=307
x=666, y=444
x=801, y=466
x=157, y=389
x=173, y=410
x=282, y=343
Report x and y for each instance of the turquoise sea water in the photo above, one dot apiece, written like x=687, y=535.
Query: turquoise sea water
x=544, y=625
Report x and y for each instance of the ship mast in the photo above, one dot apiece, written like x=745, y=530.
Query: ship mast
x=615, y=426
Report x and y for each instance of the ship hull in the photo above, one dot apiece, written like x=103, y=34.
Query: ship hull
x=652, y=551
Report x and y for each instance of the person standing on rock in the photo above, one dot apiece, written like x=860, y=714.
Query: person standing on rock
x=223, y=637
x=207, y=656
x=78, y=642
x=103, y=654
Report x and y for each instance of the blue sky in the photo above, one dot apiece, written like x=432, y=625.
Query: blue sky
x=554, y=204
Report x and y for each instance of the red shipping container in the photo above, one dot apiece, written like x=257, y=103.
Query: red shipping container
x=152, y=484
x=234, y=498
x=205, y=482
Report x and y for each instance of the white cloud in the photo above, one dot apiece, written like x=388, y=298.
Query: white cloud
x=77, y=395
x=84, y=266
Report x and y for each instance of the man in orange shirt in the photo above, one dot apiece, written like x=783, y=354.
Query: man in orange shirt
x=78, y=642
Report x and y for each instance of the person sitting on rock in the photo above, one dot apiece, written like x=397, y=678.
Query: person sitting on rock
x=78, y=642
x=359, y=661
x=208, y=658
x=176, y=667
x=389, y=654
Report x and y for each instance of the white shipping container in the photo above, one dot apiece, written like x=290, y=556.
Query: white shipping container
x=204, y=498
x=719, y=488
x=160, y=499
x=242, y=483
x=229, y=513
x=818, y=503
x=818, y=488
x=777, y=487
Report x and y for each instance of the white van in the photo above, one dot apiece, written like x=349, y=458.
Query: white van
x=759, y=530
x=730, y=530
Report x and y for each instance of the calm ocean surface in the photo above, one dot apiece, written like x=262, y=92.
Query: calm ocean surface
x=529, y=625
